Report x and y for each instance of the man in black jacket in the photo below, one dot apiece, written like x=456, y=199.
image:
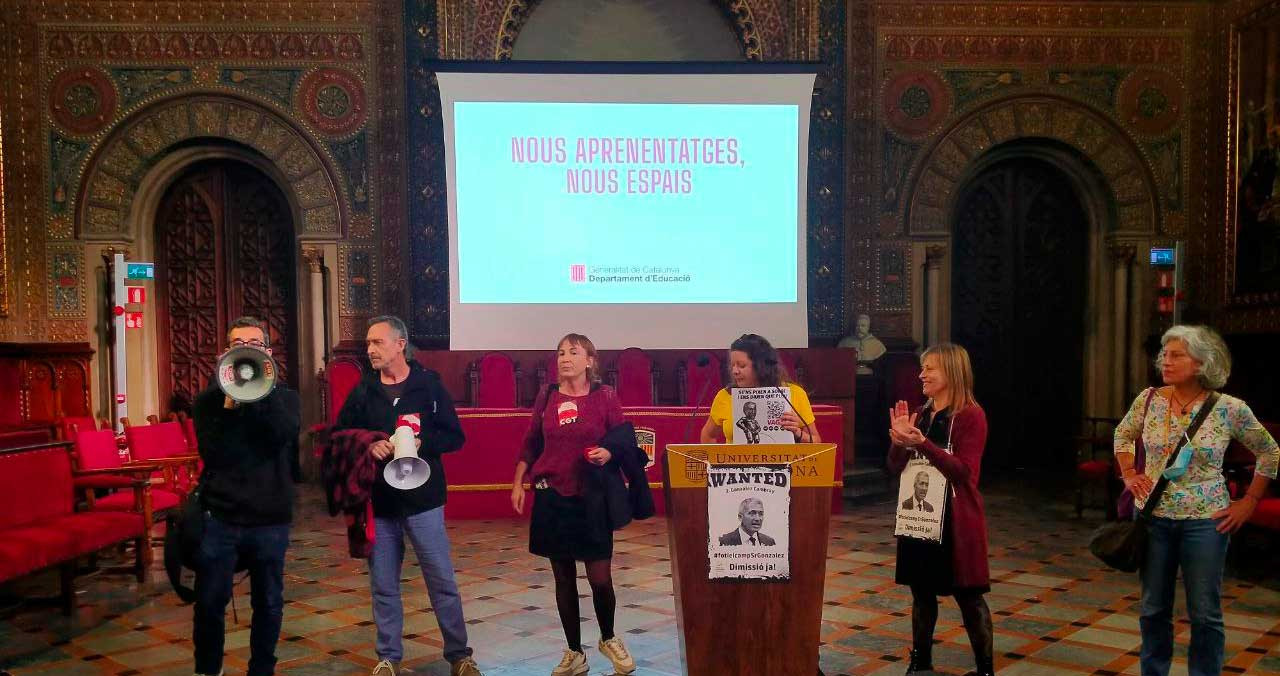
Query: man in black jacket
x=401, y=391
x=246, y=490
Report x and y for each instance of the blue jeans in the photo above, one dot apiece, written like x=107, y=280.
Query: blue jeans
x=426, y=531
x=1200, y=550
x=262, y=548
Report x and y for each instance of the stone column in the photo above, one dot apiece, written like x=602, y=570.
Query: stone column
x=933, y=256
x=1122, y=254
x=314, y=257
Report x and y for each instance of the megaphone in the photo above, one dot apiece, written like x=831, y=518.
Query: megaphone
x=247, y=374
x=406, y=470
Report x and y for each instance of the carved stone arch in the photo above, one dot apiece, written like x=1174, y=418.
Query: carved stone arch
x=945, y=166
x=758, y=23
x=119, y=167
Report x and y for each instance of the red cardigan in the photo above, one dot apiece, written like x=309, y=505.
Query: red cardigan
x=966, y=518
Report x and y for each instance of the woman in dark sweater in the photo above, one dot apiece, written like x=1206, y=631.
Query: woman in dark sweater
x=950, y=431
x=569, y=420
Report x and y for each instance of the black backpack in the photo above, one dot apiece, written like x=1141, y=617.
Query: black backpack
x=183, y=533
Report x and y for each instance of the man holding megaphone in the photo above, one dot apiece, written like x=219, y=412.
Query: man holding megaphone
x=247, y=428
x=406, y=401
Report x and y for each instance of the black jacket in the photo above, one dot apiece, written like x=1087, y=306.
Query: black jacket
x=248, y=456
x=602, y=485
x=368, y=407
x=603, y=489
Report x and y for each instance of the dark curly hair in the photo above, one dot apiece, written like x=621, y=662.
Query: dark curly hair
x=770, y=372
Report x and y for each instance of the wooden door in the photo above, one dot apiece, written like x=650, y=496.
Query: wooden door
x=225, y=247
x=1018, y=281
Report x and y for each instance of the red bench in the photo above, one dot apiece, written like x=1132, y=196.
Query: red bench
x=39, y=527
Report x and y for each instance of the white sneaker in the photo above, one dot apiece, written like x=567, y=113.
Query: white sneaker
x=386, y=668
x=623, y=662
x=573, y=663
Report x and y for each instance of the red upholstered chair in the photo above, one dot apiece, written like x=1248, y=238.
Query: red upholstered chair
x=97, y=450
x=340, y=377
x=704, y=380
x=795, y=371
x=69, y=426
x=1267, y=514
x=24, y=437
x=545, y=373
x=97, y=464
x=1094, y=463
x=635, y=377
x=549, y=372
x=165, y=445
x=40, y=529
x=493, y=381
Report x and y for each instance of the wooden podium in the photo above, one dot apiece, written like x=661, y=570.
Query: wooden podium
x=748, y=627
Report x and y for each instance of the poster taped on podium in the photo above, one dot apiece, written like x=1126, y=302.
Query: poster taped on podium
x=749, y=519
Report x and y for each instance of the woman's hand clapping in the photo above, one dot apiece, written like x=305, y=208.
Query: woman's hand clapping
x=902, y=426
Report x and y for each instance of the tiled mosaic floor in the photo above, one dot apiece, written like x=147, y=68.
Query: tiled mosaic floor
x=1056, y=610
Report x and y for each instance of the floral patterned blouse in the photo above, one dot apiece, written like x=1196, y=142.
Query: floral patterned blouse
x=1202, y=490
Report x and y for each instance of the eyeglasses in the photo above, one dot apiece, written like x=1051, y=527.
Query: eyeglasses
x=240, y=342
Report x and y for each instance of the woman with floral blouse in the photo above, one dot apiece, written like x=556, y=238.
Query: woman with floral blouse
x=1195, y=516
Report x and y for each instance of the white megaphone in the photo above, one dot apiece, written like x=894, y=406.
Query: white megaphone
x=406, y=470
x=247, y=374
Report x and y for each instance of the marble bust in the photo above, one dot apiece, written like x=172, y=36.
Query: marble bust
x=868, y=346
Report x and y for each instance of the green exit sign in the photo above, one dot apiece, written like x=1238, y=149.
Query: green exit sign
x=140, y=271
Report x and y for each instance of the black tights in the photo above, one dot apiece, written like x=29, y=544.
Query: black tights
x=601, y=578
x=977, y=622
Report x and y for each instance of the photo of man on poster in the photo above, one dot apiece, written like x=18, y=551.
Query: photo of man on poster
x=750, y=518
x=917, y=500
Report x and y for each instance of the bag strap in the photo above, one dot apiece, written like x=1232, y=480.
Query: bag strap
x=1154, y=498
x=540, y=410
x=1140, y=448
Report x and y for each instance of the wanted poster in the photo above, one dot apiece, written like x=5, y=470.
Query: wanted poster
x=749, y=519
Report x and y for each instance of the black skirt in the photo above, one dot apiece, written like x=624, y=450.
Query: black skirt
x=926, y=565
x=560, y=528
x=929, y=566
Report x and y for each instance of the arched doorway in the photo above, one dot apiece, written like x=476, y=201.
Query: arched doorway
x=224, y=247
x=1021, y=235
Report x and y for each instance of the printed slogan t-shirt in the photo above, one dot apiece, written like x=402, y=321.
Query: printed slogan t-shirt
x=722, y=409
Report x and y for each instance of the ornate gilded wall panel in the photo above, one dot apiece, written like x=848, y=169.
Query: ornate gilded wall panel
x=77, y=91
x=772, y=30
x=142, y=139
x=1093, y=136
x=1112, y=80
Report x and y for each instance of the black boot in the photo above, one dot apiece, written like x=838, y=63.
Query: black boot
x=921, y=660
x=986, y=667
x=977, y=623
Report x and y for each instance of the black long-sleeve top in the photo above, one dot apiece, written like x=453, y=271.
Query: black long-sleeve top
x=369, y=407
x=248, y=456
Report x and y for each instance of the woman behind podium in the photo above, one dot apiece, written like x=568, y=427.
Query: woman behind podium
x=753, y=362
x=569, y=420
x=950, y=430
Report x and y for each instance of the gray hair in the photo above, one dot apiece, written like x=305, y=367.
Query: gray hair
x=397, y=325
x=1205, y=346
